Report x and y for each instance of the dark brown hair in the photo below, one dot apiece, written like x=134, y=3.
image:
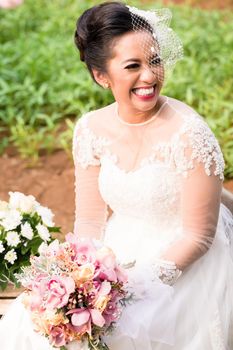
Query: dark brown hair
x=96, y=31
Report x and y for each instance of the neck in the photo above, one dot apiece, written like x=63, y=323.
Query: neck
x=135, y=116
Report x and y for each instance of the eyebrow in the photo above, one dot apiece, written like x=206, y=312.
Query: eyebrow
x=138, y=60
x=131, y=59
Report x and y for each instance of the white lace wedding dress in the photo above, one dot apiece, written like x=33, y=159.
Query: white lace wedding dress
x=162, y=180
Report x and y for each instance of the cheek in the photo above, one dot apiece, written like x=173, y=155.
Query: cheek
x=159, y=74
x=122, y=83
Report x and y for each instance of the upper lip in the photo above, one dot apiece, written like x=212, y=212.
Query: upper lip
x=144, y=87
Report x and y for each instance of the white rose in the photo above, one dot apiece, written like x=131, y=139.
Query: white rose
x=1, y=247
x=42, y=248
x=3, y=206
x=3, y=209
x=11, y=220
x=43, y=232
x=19, y=201
x=26, y=231
x=46, y=215
x=11, y=256
x=2, y=215
x=12, y=238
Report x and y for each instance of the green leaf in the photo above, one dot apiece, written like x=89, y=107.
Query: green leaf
x=36, y=100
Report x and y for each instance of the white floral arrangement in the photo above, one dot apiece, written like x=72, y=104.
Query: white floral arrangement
x=24, y=226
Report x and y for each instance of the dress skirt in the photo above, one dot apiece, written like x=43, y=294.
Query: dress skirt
x=196, y=313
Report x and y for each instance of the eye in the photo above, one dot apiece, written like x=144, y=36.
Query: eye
x=156, y=61
x=132, y=66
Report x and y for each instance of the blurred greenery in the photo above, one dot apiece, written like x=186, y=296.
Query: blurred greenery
x=44, y=87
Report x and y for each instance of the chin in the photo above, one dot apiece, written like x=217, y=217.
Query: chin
x=146, y=106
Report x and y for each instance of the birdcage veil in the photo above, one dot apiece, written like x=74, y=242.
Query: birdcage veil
x=160, y=44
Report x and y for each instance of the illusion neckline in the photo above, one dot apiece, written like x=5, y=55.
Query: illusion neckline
x=143, y=123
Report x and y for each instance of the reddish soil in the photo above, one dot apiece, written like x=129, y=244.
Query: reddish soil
x=51, y=182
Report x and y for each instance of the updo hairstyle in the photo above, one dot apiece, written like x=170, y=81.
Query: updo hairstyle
x=97, y=30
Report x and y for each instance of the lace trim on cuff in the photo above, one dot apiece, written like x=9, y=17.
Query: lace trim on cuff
x=166, y=271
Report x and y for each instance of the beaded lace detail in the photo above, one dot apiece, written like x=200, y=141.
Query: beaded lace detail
x=203, y=144
x=166, y=271
x=193, y=135
x=87, y=147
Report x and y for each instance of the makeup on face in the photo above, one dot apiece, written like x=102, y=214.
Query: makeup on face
x=135, y=79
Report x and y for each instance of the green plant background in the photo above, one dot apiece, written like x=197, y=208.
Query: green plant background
x=44, y=87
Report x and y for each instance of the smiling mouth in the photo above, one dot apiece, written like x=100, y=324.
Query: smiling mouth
x=145, y=92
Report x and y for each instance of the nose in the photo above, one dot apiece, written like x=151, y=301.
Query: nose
x=147, y=74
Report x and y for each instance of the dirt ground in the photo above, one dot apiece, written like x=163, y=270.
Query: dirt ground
x=52, y=181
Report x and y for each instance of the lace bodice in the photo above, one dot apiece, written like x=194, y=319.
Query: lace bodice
x=150, y=193
x=186, y=130
x=167, y=171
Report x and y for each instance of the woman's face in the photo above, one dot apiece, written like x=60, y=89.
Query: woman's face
x=135, y=73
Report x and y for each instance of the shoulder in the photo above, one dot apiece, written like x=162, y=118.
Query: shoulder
x=184, y=117
x=88, y=143
x=187, y=115
x=191, y=121
x=93, y=118
x=180, y=107
x=198, y=141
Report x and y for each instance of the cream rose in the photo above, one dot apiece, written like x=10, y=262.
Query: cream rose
x=101, y=303
x=19, y=201
x=84, y=273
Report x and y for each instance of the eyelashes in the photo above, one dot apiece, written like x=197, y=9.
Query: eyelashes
x=155, y=61
x=132, y=66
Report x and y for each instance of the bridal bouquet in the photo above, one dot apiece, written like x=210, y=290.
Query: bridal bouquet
x=24, y=225
x=75, y=292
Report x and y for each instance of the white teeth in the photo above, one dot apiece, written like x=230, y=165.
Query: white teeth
x=144, y=92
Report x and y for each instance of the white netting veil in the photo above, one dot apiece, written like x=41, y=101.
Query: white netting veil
x=160, y=44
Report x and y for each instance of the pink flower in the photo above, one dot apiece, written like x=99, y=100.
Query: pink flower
x=111, y=311
x=7, y=4
x=110, y=314
x=71, y=238
x=85, y=252
x=107, y=261
x=121, y=274
x=102, y=296
x=83, y=318
x=107, y=274
x=106, y=257
x=59, y=289
x=57, y=335
x=109, y=268
x=38, y=288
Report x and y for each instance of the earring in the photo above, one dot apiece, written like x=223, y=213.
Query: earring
x=106, y=85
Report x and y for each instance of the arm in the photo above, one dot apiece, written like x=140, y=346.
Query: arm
x=200, y=203
x=91, y=211
x=227, y=199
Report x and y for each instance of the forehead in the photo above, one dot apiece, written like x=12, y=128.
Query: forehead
x=134, y=44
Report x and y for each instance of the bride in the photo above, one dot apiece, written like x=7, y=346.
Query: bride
x=149, y=178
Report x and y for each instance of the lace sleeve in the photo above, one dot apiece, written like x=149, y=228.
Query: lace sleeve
x=90, y=209
x=202, y=169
